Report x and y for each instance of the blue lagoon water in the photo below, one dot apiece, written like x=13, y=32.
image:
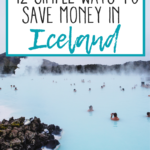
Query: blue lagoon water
x=56, y=103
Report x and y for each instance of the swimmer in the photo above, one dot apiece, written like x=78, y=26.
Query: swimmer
x=122, y=89
x=75, y=90
x=16, y=89
x=13, y=85
x=101, y=87
x=148, y=95
x=0, y=88
x=89, y=89
x=115, y=117
x=120, y=86
x=90, y=109
x=74, y=83
x=148, y=114
x=71, y=84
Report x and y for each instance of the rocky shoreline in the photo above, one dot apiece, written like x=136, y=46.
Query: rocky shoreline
x=27, y=134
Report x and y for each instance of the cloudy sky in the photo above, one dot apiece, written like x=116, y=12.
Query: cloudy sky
x=83, y=60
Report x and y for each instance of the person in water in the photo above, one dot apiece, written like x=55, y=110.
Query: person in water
x=90, y=109
x=148, y=114
x=75, y=90
x=89, y=89
x=115, y=117
x=122, y=89
x=16, y=89
x=82, y=81
x=101, y=87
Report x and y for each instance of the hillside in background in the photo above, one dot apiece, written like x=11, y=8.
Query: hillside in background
x=8, y=65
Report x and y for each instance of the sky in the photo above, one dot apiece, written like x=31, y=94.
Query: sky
x=83, y=60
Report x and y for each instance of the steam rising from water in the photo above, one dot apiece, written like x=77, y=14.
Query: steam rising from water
x=32, y=66
x=29, y=66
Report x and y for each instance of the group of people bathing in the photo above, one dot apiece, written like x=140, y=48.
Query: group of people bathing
x=14, y=87
x=113, y=115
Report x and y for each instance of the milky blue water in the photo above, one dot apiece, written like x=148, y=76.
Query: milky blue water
x=56, y=103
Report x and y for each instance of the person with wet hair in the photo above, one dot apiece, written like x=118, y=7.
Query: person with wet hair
x=89, y=89
x=122, y=89
x=115, y=118
x=148, y=114
x=90, y=108
x=75, y=90
x=101, y=87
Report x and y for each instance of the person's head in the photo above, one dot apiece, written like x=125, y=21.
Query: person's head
x=90, y=107
x=148, y=113
x=115, y=114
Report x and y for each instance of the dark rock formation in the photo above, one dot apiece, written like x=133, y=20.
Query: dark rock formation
x=14, y=135
x=129, y=67
x=8, y=64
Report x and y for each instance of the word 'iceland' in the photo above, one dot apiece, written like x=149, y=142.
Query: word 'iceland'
x=61, y=41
